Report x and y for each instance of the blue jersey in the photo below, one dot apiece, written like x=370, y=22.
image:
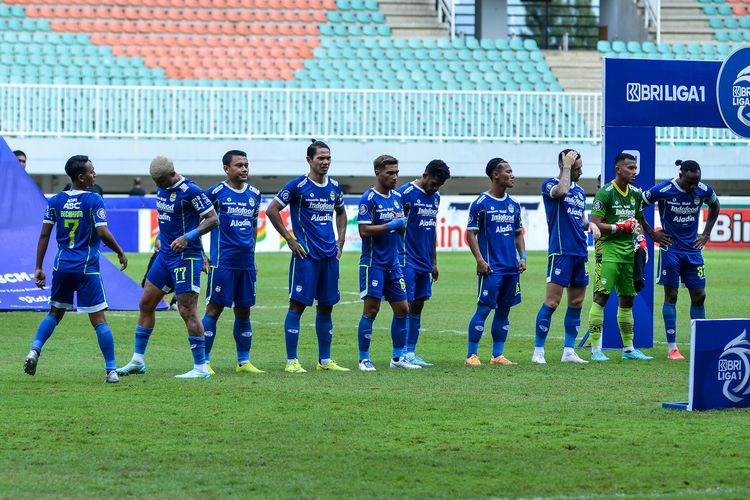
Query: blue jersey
x=680, y=211
x=380, y=251
x=180, y=208
x=77, y=215
x=567, y=236
x=233, y=240
x=497, y=221
x=421, y=212
x=312, y=206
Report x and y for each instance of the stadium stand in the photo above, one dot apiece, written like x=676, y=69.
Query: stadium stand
x=249, y=43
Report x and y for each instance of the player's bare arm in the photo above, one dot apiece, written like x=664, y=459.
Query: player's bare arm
x=471, y=238
x=340, y=230
x=208, y=222
x=273, y=212
x=109, y=239
x=41, y=249
x=713, y=215
x=562, y=188
x=435, y=272
x=521, y=248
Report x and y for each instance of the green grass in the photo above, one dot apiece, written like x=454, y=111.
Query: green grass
x=447, y=431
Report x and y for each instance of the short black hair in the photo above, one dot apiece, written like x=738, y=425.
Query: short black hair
x=563, y=153
x=688, y=165
x=492, y=165
x=438, y=169
x=18, y=152
x=75, y=166
x=383, y=161
x=227, y=158
x=624, y=156
x=313, y=148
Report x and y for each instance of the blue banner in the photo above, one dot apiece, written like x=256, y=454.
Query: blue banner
x=641, y=143
x=22, y=207
x=719, y=364
x=659, y=93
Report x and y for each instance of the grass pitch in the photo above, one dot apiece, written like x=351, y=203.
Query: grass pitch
x=447, y=431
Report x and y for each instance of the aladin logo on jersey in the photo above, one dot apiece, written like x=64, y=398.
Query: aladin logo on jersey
x=734, y=368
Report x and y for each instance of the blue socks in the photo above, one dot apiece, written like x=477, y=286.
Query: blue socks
x=669, y=313
x=697, y=312
x=572, y=323
x=476, y=328
x=198, y=349
x=364, y=335
x=415, y=323
x=398, y=335
x=291, y=333
x=107, y=345
x=324, y=331
x=243, y=339
x=209, y=329
x=142, y=335
x=543, y=321
x=44, y=332
x=500, y=327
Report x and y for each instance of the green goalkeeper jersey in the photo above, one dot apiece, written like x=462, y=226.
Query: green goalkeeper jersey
x=615, y=206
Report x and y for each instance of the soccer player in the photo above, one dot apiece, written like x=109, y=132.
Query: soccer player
x=185, y=214
x=617, y=212
x=81, y=223
x=231, y=279
x=680, y=200
x=564, y=205
x=313, y=200
x=495, y=236
x=418, y=256
x=381, y=224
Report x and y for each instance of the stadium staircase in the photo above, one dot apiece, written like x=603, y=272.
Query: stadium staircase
x=413, y=18
x=683, y=20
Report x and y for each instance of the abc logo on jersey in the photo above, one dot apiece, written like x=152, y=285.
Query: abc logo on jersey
x=733, y=91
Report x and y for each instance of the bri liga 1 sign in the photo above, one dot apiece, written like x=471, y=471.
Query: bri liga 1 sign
x=719, y=365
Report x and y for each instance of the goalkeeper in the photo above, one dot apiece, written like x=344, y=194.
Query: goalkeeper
x=617, y=211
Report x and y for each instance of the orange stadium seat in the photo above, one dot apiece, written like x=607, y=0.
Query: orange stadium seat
x=739, y=10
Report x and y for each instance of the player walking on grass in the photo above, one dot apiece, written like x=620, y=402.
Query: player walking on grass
x=616, y=212
x=185, y=214
x=495, y=236
x=313, y=200
x=381, y=225
x=418, y=256
x=81, y=223
x=231, y=276
x=564, y=205
x=680, y=259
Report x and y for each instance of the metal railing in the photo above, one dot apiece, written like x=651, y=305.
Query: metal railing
x=446, y=13
x=53, y=111
x=652, y=15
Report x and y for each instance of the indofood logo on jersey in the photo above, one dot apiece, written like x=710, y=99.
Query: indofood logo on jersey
x=733, y=92
x=734, y=368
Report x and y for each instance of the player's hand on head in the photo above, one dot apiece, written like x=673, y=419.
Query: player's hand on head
x=569, y=159
x=39, y=278
x=123, y=261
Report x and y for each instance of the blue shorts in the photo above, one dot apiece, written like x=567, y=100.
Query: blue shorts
x=314, y=281
x=418, y=284
x=568, y=271
x=178, y=275
x=89, y=290
x=231, y=287
x=382, y=283
x=686, y=267
x=499, y=290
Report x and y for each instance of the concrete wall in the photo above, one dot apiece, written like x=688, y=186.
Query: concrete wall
x=491, y=19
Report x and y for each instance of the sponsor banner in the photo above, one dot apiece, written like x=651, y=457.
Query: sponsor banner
x=732, y=228
x=659, y=93
x=733, y=91
x=719, y=364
